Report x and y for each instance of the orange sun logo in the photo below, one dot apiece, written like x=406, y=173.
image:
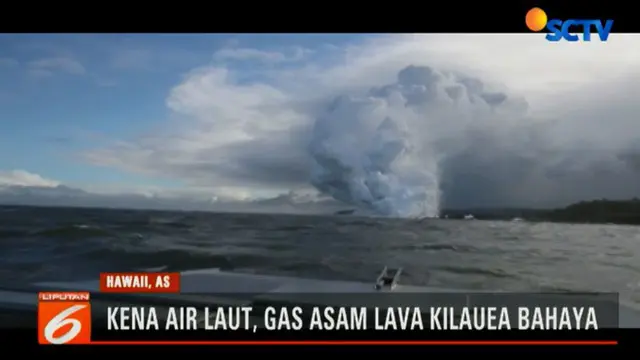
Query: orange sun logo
x=536, y=19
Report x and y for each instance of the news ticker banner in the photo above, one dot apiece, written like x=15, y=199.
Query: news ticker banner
x=132, y=317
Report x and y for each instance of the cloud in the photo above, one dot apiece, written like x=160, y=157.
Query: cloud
x=19, y=187
x=24, y=178
x=49, y=66
x=226, y=145
x=437, y=120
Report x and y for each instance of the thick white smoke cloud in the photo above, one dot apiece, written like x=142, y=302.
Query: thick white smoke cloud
x=383, y=150
x=368, y=129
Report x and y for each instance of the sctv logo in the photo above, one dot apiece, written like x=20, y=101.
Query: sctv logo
x=568, y=30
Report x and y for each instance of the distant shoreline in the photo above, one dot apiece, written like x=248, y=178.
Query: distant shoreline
x=621, y=212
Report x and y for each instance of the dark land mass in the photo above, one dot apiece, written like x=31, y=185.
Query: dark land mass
x=595, y=212
x=345, y=212
x=585, y=212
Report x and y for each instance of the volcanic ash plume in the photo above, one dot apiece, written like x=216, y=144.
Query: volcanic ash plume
x=382, y=151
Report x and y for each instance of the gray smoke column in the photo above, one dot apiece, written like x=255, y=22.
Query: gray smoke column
x=383, y=150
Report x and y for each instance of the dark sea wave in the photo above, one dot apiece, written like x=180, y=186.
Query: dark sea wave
x=65, y=243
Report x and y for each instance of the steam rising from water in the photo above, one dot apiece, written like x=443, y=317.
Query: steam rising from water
x=383, y=150
x=426, y=140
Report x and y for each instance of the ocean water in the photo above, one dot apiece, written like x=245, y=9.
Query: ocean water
x=65, y=244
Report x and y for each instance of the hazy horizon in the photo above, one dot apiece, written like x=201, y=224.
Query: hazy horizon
x=397, y=125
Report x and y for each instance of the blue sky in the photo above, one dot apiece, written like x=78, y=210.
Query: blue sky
x=241, y=117
x=61, y=95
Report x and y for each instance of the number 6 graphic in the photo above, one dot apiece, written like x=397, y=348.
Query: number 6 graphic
x=61, y=320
